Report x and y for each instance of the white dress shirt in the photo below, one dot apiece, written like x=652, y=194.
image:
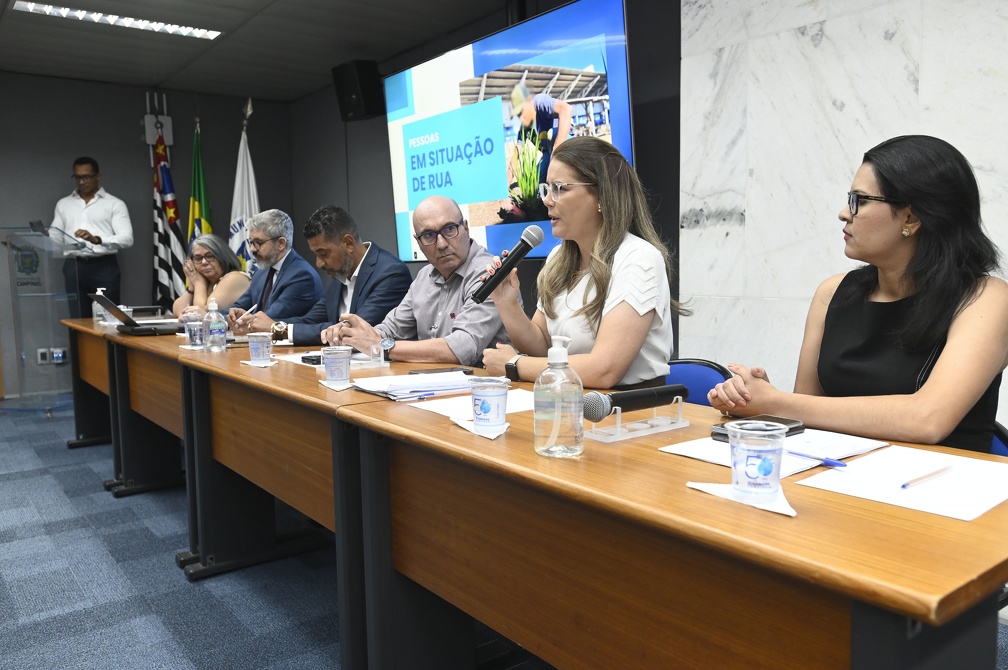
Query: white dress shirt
x=104, y=216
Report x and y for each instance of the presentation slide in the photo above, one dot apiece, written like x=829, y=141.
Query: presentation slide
x=478, y=124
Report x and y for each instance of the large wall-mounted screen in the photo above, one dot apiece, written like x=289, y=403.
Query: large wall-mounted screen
x=478, y=124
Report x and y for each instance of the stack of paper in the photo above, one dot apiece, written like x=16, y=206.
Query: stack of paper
x=818, y=443
x=412, y=387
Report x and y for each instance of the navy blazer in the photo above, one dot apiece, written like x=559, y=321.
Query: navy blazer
x=296, y=287
x=382, y=282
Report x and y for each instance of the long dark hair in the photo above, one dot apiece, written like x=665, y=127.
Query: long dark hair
x=953, y=252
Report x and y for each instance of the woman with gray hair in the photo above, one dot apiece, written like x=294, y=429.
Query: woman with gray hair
x=213, y=271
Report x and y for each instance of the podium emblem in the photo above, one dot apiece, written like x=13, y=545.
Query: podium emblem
x=27, y=260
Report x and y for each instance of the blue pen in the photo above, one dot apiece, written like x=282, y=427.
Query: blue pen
x=830, y=462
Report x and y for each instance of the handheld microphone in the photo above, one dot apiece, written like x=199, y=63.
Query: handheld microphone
x=531, y=237
x=598, y=406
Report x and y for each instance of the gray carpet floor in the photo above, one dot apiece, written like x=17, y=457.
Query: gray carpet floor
x=89, y=581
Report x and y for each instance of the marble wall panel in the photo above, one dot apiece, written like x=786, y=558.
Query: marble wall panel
x=779, y=101
x=819, y=96
x=712, y=165
x=759, y=332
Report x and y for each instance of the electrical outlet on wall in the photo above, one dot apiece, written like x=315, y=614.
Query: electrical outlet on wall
x=42, y=357
x=57, y=356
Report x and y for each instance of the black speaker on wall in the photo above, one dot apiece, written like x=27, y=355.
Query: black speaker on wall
x=359, y=90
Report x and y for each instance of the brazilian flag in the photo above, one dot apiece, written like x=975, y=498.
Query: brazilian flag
x=199, y=200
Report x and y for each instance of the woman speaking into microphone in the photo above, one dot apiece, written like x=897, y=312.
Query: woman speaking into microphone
x=605, y=286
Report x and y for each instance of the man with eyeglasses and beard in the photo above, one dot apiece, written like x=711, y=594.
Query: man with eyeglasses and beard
x=101, y=222
x=285, y=285
x=367, y=280
x=437, y=322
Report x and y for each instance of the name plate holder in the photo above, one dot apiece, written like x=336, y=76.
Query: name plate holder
x=609, y=430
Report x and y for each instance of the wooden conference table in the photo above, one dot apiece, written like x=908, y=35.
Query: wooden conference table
x=128, y=390
x=603, y=561
x=610, y=561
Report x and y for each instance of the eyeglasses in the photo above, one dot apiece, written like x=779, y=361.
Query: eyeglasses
x=199, y=258
x=448, y=232
x=83, y=177
x=255, y=244
x=853, y=198
x=555, y=188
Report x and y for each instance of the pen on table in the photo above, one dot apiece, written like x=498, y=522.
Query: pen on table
x=924, y=478
x=830, y=462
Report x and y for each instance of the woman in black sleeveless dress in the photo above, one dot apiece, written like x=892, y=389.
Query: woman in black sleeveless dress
x=910, y=346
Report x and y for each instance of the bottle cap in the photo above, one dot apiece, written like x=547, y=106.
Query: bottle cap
x=212, y=304
x=558, y=352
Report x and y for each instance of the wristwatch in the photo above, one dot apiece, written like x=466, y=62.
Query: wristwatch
x=386, y=344
x=278, y=331
x=511, y=368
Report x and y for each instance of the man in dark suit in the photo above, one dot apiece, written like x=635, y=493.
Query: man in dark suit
x=285, y=285
x=367, y=280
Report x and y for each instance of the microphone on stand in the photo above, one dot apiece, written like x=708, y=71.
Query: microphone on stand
x=598, y=406
x=531, y=237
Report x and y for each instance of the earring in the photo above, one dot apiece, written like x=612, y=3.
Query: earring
x=906, y=232
x=600, y=208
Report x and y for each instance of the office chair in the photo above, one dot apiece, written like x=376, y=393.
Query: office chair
x=697, y=375
x=1000, y=444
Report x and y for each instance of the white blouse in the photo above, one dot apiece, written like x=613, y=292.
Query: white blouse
x=638, y=279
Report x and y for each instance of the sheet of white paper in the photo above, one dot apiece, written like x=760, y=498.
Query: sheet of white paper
x=460, y=407
x=336, y=386
x=820, y=443
x=469, y=425
x=266, y=364
x=411, y=387
x=780, y=505
x=969, y=488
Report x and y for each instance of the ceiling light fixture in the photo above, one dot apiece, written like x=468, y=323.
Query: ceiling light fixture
x=114, y=20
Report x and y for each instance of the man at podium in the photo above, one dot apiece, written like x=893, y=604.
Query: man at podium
x=99, y=220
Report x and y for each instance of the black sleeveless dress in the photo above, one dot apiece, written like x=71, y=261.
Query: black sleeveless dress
x=860, y=356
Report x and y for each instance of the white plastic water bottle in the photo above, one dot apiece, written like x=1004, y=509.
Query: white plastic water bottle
x=559, y=406
x=215, y=328
x=97, y=311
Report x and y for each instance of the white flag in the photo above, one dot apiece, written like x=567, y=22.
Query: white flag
x=244, y=204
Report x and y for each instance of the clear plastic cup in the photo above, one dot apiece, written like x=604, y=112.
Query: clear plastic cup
x=260, y=347
x=756, y=451
x=195, y=331
x=337, y=363
x=489, y=403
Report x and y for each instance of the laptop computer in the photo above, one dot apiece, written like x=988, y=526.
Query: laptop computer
x=129, y=326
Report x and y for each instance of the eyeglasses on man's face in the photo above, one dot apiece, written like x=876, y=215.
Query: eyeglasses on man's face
x=256, y=244
x=555, y=188
x=79, y=178
x=853, y=199
x=448, y=232
x=199, y=258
